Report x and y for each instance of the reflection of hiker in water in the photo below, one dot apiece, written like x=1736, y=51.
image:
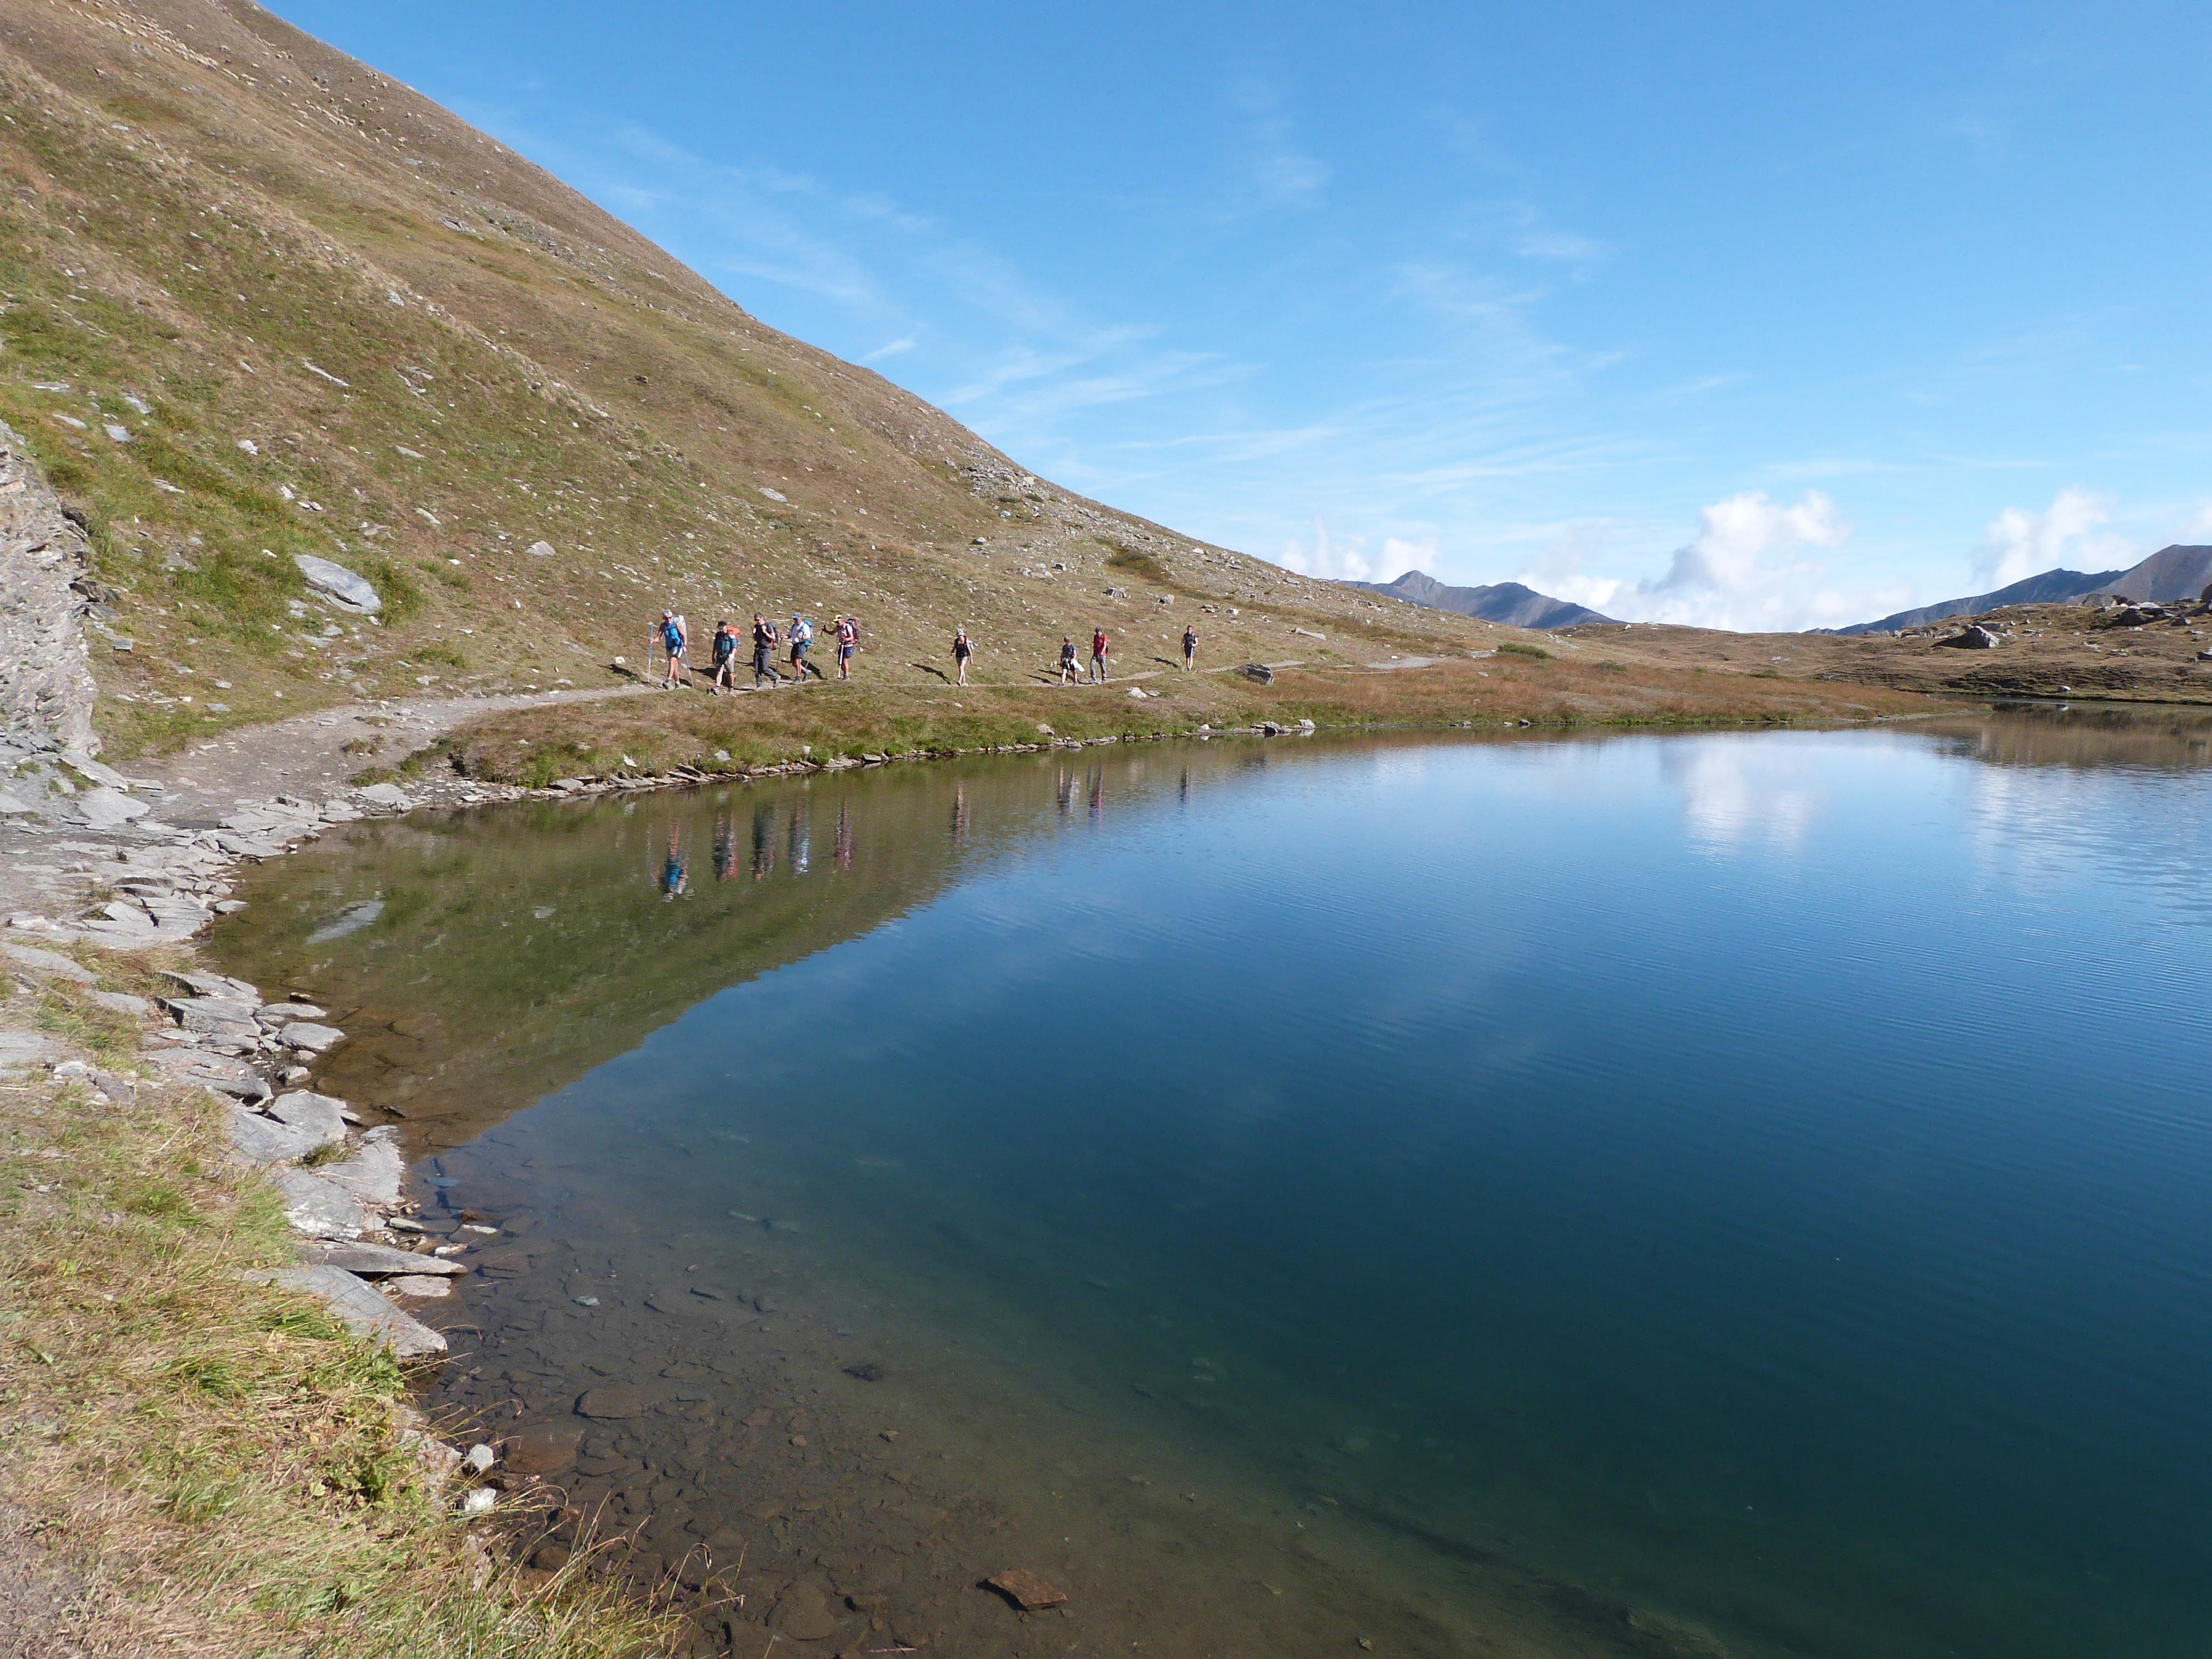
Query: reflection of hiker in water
x=763, y=842
x=1097, y=792
x=800, y=848
x=1066, y=791
x=959, y=811
x=672, y=871
x=725, y=848
x=843, y=853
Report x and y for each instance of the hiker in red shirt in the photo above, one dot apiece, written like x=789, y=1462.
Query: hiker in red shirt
x=1098, y=647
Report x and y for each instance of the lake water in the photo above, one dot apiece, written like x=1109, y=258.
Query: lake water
x=1736, y=1193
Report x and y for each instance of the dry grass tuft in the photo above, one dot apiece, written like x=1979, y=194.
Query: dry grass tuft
x=218, y=1461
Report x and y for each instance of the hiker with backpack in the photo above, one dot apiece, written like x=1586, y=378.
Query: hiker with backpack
x=1068, y=673
x=763, y=651
x=1099, y=646
x=726, y=659
x=673, y=640
x=802, y=639
x=848, y=639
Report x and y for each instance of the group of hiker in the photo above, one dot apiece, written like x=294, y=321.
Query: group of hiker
x=797, y=640
x=768, y=642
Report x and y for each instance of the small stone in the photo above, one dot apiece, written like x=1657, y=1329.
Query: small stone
x=419, y=1287
x=479, y=1500
x=1025, y=1589
x=541, y=550
x=480, y=1457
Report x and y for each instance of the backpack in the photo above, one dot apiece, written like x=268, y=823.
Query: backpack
x=725, y=645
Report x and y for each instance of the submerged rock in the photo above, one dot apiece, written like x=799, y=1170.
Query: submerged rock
x=1025, y=1589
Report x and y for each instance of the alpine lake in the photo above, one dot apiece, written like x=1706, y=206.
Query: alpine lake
x=1737, y=1194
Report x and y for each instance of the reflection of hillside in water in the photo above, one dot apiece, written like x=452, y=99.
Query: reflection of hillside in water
x=482, y=960
x=2091, y=738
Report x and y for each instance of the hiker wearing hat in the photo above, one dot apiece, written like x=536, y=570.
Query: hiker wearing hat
x=672, y=640
x=848, y=639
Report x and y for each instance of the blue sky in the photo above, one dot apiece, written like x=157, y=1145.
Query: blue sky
x=1752, y=315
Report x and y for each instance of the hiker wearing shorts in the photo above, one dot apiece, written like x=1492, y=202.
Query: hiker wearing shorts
x=1099, y=646
x=802, y=636
x=763, y=651
x=725, y=658
x=1189, y=647
x=962, y=650
x=1068, y=672
x=848, y=636
x=672, y=640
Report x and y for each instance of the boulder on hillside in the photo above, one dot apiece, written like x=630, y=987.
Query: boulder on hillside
x=1973, y=637
x=336, y=582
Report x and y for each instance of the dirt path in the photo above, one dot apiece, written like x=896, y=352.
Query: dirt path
x=44, y=871
x=306, y=756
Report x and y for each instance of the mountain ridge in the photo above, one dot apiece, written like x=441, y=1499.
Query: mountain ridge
x=1510, y=603
x=2177, y=572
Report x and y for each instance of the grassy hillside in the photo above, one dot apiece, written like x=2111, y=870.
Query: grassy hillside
x=333, y=319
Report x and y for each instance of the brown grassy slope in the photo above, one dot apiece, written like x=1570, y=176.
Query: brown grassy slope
x=2049, y=651
x=441, y=355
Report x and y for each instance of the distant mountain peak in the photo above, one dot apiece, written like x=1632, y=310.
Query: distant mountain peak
x=2179, y=572
x=1511, y=602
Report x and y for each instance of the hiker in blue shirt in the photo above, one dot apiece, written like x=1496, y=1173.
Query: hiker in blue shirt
x=673, y=640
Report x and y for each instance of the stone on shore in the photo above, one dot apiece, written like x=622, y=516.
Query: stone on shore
x=388, y=795
x=323, y=1114
x=360, y=1309
x=320, y=1208
x=378, y=1261
x=306, y=1034
x=220, y=986
x=372, y=1175
x=258, y=1140
x=47, y=962
x=220, y=1072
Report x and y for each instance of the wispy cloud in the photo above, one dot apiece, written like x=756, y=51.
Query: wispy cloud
x=1273, y=170
x=895, y=347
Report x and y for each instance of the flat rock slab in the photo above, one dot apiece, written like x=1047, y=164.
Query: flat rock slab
x=389, y=795
x=104, y=808
x=217, y=985
x=361, y=1310
x=420, y=1286
x=374, y=1173
x=259, y=1140
x=215, y=1071
x=47, y=962
x=323, y=1114
x=318, y=1208
x=120, y=1002
x=376, y=1260
x=1025, y=1589
x=307, y=1035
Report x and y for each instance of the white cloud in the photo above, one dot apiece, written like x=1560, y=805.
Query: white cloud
x=1750, y=567
x=1326, y=556
x=904, y=343
x=2069, y=533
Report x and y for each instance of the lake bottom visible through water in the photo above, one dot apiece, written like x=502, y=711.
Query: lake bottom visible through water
x=1415, y=1198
